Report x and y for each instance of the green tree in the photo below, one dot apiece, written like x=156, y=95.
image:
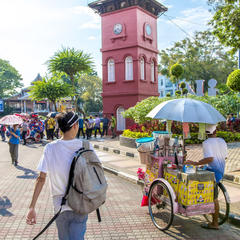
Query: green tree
x=53, y=89
x=233, y=80
x=71, y=62
x=10, y=79
x=202, y=57
x=226, y=23
x=89, y=89
x=176, y=72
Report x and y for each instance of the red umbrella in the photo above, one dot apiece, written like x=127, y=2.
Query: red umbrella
x=11, y=120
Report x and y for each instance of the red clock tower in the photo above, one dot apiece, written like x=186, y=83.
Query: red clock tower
x=129, y=53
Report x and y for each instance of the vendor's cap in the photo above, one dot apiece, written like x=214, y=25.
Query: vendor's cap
x=210, y=128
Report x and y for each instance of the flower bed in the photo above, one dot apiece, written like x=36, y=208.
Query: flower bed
x=227, y=136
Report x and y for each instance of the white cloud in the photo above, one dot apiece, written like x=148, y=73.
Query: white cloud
x=92, y=20
x=92, y=38
x=191, y=20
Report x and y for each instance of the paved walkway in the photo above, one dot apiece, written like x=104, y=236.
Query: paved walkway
x=122, y=216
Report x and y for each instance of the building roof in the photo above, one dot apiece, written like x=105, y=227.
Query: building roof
x=38, y=78
x=104, y=6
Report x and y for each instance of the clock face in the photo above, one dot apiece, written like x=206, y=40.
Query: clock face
x=148, y=29
x=117, y=28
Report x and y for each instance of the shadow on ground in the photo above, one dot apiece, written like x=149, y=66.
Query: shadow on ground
x=5, y=204
x=28, y=173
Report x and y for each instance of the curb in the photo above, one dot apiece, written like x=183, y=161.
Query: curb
x=115, y=151
x=233, y=219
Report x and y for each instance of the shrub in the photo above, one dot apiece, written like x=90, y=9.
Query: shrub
x=168, y=94
x=178, y=93
x=182, y=85
x=233, y=80
x=136, y=135
x=184, y=91
x=176, y=70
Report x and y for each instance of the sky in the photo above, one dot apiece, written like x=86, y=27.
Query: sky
x=31, y=31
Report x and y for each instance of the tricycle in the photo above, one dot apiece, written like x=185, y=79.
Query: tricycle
x=170, y=186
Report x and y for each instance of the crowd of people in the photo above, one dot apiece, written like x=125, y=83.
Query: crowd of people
x=34, y=128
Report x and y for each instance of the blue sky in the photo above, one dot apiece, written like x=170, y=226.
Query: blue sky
x=32, y=30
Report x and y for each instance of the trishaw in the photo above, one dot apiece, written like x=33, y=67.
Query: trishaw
x=171, y=188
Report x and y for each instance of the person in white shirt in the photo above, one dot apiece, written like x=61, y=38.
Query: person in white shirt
x=56, y=162
x=215, y=154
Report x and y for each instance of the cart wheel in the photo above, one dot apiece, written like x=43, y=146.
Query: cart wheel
x=224, y=205
x=160, y=205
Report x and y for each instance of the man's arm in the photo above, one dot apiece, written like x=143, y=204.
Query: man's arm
x=201, y=162
x=31, y=217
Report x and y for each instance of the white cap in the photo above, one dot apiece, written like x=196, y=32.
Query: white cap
x=210, y=128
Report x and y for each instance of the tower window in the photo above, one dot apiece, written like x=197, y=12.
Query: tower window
x=129, y=68
x=153, y=71
x=111, y=70
x=142, y=68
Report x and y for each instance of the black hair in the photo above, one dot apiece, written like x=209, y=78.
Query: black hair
x=66, y=120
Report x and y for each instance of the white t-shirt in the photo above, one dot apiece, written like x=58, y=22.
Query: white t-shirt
x=216, y=148
x=56, y=162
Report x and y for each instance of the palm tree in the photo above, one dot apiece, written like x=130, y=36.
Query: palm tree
x=72, y=62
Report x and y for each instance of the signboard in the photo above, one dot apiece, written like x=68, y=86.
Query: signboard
x=1, y=105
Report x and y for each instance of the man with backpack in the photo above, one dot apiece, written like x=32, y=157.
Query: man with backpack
x=64, y=160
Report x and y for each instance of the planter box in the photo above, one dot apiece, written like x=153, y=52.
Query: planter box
x=128, y=142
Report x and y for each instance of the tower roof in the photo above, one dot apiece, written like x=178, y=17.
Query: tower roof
x=105, y=6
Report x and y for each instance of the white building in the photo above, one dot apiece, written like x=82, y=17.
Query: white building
x=165, y=86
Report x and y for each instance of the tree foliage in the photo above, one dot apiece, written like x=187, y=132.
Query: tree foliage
x=71, y=62
x=202, y=57
x=10, y=79
x=233, y=80
x=89, y=89
x=226, y=23
x=176, y=71
x=52, y=88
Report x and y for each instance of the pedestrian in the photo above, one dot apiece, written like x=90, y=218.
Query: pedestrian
x=105, y=125
x=3, y=130
x=51, y=126
x=215, y=154
x=91, y=125
x=14, y=136
x=97, y=126
x=46, y=127
x=80, y=130
x=56, y=162
x=24, y=131
x=88, y=128
x=113, y=126
x=56, y=132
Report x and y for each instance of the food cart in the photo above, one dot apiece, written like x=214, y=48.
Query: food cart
x=170, y=186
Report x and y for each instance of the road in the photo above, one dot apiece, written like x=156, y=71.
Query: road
x=122, y=216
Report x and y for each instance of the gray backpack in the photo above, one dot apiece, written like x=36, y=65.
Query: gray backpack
x=88, y=185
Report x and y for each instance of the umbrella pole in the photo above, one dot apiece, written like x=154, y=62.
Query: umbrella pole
x=183, y=149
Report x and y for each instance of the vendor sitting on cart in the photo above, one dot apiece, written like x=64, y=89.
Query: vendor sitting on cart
x=215, y=153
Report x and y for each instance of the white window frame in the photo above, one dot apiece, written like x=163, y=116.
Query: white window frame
x=142, y=68
x=129, y=68
x=111, y=70
x=153, y=71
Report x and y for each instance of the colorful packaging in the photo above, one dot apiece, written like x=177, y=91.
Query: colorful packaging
x=192, y=189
